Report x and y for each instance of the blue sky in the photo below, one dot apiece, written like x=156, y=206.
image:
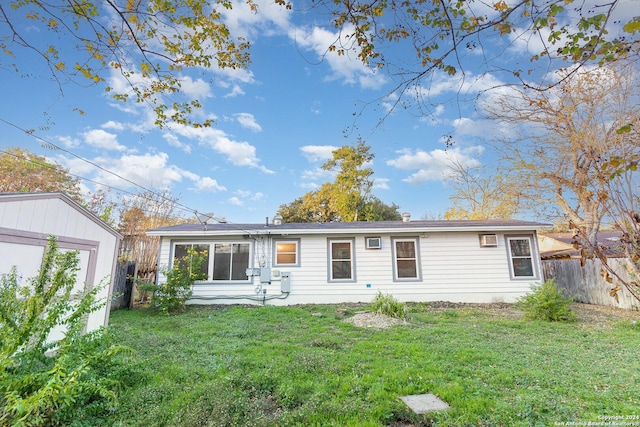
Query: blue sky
x=275, y=123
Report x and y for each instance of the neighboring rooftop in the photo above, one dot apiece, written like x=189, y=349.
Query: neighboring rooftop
x=564, y=245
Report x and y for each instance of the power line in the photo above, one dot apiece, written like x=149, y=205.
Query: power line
x=48, y=144
x=53, y=167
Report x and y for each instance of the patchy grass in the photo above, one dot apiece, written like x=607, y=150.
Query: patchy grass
x=290, y=366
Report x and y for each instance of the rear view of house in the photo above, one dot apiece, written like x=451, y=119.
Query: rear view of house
x=286, y=263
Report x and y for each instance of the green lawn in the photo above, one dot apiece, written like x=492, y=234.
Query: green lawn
x=289, y=366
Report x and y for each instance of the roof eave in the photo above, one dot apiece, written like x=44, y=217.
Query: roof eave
x=283, y=230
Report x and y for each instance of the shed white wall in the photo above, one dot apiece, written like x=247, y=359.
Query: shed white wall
x=31, y=219
x=453, y=268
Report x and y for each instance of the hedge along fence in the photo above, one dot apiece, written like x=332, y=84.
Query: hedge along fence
x=585, y=283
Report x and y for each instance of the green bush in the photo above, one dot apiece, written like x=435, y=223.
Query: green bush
x=389, y=306
x=176, y=290
x=36, y=387
x=546, y=302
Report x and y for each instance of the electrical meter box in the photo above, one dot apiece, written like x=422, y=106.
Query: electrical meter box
x=265, y=275
x=285, y=281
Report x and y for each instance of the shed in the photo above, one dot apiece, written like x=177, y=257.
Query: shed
x=299, y=263
x=28, y=219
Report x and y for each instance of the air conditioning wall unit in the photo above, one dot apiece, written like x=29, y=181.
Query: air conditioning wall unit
x=488, y=240
x=373, y=242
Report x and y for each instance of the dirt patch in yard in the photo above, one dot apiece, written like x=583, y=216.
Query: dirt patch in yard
x=368, y=319
x=601, y=313
x=587, y=313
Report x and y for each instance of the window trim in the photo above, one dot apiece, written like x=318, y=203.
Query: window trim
x=210, y=265
x=394, y=257
x=352, y=244
x=533, y=249
x=275, y=252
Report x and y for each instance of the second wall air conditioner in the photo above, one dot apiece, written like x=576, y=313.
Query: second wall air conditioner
x=488, y=240
x=373, y=242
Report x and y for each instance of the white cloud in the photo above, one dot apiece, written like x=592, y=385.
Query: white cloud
x=209, y=185
x=317, y=153
x=381, y=183
x=269, y=19
x=344, y=67
x=465, y=126
x=238, y=153
x=314, y=178
x=235, y=201
x=68, y=141
x=236, y=90
x=523, y=40
x=174, y=141
x=243, y=195
x=148, y=170
x=151, y=170
x=467, y=84
x=435, y=165
x=102, y=139
x=112, y=125
x=195, y=89
x=248, y=121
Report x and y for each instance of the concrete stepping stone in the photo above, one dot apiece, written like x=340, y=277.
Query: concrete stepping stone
x=423, y=403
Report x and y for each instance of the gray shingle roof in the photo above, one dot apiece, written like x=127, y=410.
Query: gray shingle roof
x=354, y=227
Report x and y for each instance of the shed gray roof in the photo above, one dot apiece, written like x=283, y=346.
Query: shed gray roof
x=348, y=227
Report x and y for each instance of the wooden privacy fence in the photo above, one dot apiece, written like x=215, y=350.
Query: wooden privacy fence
x=585, y=284
x=123, y=285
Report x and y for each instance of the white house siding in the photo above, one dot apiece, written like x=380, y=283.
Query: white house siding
x=26, y=222
x=453, y=267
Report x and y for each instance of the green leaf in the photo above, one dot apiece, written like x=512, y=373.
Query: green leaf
x=632, y=26
x=624, y=129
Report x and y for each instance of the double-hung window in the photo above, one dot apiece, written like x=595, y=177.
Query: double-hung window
x=520, y=249
x=405, y=253
x=341, y=263
x=230, y=261
x=286, y=253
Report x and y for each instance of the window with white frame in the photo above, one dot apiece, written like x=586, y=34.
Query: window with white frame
x=520, y=250
x=286, y=252
x=225, y=261
x=341, y=260
x=230, y=261
x=182, y=254
x=405, y=253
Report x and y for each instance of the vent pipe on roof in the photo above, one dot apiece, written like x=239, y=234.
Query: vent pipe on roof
x=406, y=217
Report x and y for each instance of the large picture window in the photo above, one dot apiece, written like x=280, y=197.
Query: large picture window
x=521, y=257
x=181, y=255
x=341, y=260
x=230, y=261
x=225, y=261
x=405, y=252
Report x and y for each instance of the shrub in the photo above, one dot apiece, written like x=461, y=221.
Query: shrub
x=546, y=302
x=176, y=290
x=389, y=306
x=37, y=389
